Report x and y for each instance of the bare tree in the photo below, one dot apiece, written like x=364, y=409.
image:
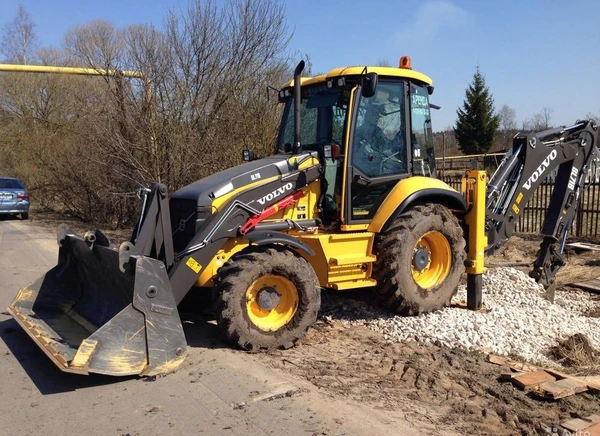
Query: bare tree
x=508, y=127
x=541, y=120
x=19, y=40
x=508, y=118
x=592, y=116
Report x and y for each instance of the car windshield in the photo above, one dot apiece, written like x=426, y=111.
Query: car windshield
x=323, y=115
x=10, y=184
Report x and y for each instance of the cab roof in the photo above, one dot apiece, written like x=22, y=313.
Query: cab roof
x=358, y=70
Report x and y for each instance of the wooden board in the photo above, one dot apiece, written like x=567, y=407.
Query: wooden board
x=509, y=376
x=579, y=424
x=594, y=379
x=528, y=380
x=512, y=364
x=589, y=285
x=560, y=389
x=584, y=246
x=593, y=386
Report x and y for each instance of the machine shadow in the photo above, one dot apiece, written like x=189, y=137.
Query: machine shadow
x=199, y=325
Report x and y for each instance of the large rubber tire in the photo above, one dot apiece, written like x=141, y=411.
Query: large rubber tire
x=240, y=317
x=25, y=216
x=406, y=286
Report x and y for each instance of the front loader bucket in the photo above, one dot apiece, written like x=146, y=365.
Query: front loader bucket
x=89, y=315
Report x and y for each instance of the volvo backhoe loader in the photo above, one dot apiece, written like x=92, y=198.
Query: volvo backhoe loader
x=349, y=200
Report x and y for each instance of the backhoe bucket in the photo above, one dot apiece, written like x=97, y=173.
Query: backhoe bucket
x=98, y=313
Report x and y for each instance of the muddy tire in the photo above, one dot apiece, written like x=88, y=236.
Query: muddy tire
x=420, y=260
x=266, y=298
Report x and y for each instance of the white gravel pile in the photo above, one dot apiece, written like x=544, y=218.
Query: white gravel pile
x=519, y=320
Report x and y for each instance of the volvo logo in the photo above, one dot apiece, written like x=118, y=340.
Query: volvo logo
x=540, y=170
x=276, y=193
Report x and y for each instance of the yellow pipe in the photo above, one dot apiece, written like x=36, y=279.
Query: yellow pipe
x=70, y=70
x=49, y=69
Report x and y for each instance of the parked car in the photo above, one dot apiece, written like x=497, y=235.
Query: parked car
x=14, y=198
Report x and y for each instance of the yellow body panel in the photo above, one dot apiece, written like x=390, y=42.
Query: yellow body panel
x=342, y=261
x=474, y=187
x=401, y=192
x=304, y=209
x=354, y=227
x=231, y=247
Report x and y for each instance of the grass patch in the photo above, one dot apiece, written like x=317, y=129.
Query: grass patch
x=577, y=354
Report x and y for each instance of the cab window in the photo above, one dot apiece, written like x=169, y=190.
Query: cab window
x=422, y=138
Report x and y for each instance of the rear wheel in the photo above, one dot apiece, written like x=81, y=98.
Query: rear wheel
x=25, y=216
x=265, y=298
x=420, y=260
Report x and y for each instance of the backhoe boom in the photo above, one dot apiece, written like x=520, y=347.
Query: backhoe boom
x=532, y=158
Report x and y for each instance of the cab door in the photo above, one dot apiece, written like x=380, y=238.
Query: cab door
x=378, y=155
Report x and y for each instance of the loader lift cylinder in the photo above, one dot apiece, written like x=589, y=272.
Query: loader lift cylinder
x=474, y=189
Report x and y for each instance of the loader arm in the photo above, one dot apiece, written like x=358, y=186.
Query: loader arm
x=532, y=158
x=153, y=237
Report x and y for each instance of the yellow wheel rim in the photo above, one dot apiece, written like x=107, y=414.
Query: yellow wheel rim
x=271, y=302
x=431, y=261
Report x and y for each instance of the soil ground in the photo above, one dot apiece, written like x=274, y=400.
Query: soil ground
x=452, y=389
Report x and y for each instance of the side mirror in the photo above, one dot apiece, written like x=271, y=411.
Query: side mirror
x=369, y=85
x=248, y=155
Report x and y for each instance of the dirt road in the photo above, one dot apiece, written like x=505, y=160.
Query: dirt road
x=217, y=391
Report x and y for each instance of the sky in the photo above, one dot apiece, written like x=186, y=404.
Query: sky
x=534, y=54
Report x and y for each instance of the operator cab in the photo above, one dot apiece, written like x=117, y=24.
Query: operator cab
x=369, y=134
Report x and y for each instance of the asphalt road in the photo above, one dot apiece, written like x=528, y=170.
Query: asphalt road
x=216, y=391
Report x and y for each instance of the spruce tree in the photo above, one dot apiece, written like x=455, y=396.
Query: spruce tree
x=477, y=123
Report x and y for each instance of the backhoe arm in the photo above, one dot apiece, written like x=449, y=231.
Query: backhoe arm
x=532, y=157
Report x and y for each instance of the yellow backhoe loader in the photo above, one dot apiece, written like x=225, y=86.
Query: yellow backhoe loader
x=349, y=200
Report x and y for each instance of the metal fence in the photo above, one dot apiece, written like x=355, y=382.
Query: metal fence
x=462, y=163
x=587, y=219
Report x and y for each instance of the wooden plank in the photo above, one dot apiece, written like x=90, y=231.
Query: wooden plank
x=584, y=246
x=592, y=385
x=589, y=285
x=559, y=389
x=512, y=364
x=594, y=379
x=575, y=425
x=530, y=379
x=509, y=376
x=578, y=424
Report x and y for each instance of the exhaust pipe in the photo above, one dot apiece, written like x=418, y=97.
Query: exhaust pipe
x=297, y=148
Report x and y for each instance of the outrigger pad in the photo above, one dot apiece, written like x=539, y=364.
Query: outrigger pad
x=90, y=317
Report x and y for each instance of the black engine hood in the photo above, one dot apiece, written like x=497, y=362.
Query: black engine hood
x=205, y=191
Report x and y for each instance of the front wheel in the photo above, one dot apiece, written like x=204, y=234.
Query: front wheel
x=420, y=260
x=266, y=298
